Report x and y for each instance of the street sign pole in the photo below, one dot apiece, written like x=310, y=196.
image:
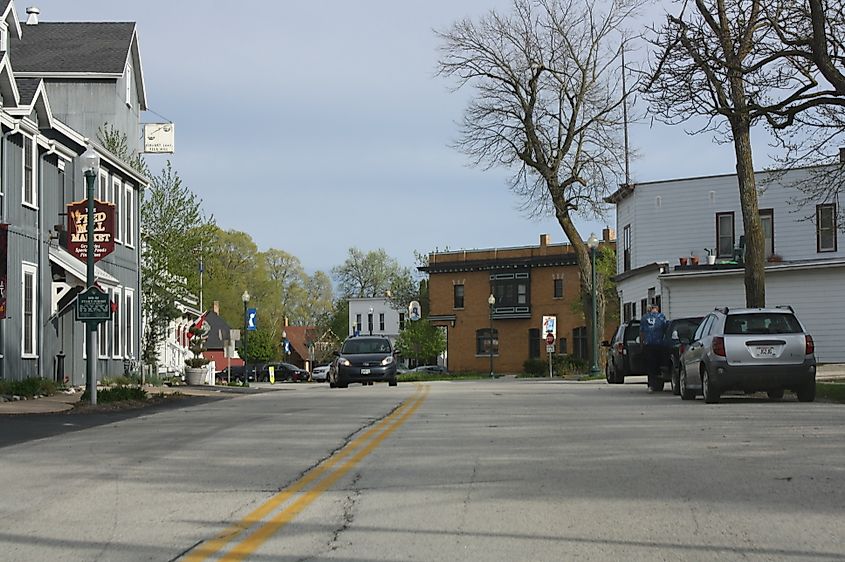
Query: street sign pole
x=550, y=349
x=91, y=343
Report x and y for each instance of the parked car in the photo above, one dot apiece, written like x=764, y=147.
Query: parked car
x=283, y=372
x=321, y=373
x=678, y=331
x=749, y=349
x=624, y=353
x=429, y=369
x=237, y=374
x=363, y=359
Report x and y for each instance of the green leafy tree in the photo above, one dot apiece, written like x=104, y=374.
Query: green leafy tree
x=372, y=274
x=261, y=347
x=116, y=142
x=313, y=302
x=338, y=320
x=421, y=341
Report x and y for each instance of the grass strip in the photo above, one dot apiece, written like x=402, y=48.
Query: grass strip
x=833, y=392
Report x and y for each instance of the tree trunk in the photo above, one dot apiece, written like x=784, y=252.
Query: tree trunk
x=582, y=255
x=755, y=251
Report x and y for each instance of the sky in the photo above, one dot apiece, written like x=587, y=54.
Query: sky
x=316, y=126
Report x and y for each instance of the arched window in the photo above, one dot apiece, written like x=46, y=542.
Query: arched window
x=483, y=341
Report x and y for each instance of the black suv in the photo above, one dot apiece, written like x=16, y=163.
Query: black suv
x=363, y=359
x=680, y=330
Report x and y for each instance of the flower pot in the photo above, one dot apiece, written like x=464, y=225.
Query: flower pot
x=693, y=260
x=195, y=376
x=682, y=261
x=711, y=259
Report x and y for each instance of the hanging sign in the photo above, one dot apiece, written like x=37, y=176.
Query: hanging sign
x=77, y=227
x=159, y=138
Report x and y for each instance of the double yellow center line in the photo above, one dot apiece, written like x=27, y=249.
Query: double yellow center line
x=248, y=534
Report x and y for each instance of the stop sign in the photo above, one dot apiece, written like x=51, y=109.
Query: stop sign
x=550, y=338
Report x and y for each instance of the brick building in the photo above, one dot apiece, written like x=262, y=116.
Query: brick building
x=528, y=283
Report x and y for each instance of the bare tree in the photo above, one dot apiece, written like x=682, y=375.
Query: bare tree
x=548, y=103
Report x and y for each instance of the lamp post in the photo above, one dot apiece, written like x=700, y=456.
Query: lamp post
x=284, y=346
x=593, y=243
x=90, y=168
x=370, y=321
x=491, y=300
x=245, y=298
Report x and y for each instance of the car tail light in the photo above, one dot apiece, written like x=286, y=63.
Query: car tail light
x=682, y=348
x=809, y=345
x=619, y=347
x=719, y=346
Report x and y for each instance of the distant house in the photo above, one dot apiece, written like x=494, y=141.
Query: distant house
x=663, y=225
x=528, y=283
x=375, y=316
x=218, y=336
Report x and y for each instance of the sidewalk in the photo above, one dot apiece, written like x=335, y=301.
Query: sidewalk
x=62, y=402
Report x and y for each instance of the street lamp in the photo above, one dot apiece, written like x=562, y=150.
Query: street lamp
x=245, y=298
x=284, y=346
x=593, y=243
x=90, y=168
x=491, y=300
x=370, y=321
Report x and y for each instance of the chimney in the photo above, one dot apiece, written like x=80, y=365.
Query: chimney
x=216, y=307
x=32, y=15
x=842, y=155
x=545, y=240
x=608, y=234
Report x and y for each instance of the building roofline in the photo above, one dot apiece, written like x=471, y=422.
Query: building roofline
x=659, y=265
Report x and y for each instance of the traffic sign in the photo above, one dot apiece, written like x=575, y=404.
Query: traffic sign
x=93, y=305
x=550, y=339
x=251, y=319
x=550, y=349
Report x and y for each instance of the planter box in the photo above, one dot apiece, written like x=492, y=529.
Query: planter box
x=195, y=376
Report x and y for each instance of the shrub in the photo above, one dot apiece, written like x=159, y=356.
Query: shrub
x=567, y=365
x=117, y=394
x=116, y=381
x=535, y=367
x=29, y=388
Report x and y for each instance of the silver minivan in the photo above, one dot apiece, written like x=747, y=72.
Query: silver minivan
x=751, y=350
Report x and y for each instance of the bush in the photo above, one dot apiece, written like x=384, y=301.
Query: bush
x=535, y=367
x=567, y=365
x=29, y=388
x=116, y=381
x=117, y=394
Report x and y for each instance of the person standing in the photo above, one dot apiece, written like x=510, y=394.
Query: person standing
x=652, y=331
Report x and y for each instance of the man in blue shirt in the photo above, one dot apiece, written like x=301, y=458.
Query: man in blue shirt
x=652, y=331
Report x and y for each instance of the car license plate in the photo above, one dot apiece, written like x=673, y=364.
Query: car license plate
x=765, y=351
x=365, y=371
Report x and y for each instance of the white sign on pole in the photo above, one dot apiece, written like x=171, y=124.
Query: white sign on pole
x=414, y=313
x=235, y=335
x=159, y=138
x=550, y=348
x=549, y=325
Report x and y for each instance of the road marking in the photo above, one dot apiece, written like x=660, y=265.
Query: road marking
x=366, y=442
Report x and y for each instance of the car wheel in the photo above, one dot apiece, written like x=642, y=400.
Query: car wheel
x=686, y=393
x=673, y=379
x=711, y=394
x=807, y=393
x=607, y=376
x=775, y=394
x=392, y=382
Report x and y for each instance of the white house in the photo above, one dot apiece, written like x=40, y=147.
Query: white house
x=661, y=224
x=376, y=316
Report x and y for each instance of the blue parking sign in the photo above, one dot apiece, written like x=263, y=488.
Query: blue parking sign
x=251, y=319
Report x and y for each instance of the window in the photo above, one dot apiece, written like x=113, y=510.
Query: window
x=103, y=339
x=129, y=214
x=458, y=291
x=724, y=235
x=29, y=326
x=767, y=219
x=534, y=341
x=484, y=339
x=558, y=288
x=643, y=307
x=358, y=323
x=561, y=345
x=626, y=248
x=381, y=321
x=29, y=172
x=128, y=319
x=103, y=189
x=401, y=320
x=511, y=290
x=627, y=311
x=128, y=92
x=117, y=189
x=579, y=342
x=370, y=322
x=826, y=227
x=117, y=327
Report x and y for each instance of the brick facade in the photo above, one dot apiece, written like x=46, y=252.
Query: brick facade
x=523, y=280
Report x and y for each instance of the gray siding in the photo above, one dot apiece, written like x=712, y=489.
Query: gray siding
x=88, y=105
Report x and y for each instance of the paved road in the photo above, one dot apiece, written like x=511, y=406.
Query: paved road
x=489, y=470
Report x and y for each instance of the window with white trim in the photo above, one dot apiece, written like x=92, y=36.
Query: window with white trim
x=103, y=189
x=117, y=187
x=117, y=328
x=725, y=235
x=29, y=196
x=29, y=296
x=128, y=93
x=103, y=340
x=128, y=314
x=826, y=227
x=129, y=213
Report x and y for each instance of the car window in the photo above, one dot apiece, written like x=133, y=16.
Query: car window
x=366, y=345
x=699, y=333
x=686, y=328
x=762, y=323
x=632, y=331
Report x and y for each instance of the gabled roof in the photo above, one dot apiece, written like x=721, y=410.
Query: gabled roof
x=73, y=47
x=8, y=84
x=10, y=16
x=27, y=88
x=33, y=97
x=219, y=330
x=299, y=336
